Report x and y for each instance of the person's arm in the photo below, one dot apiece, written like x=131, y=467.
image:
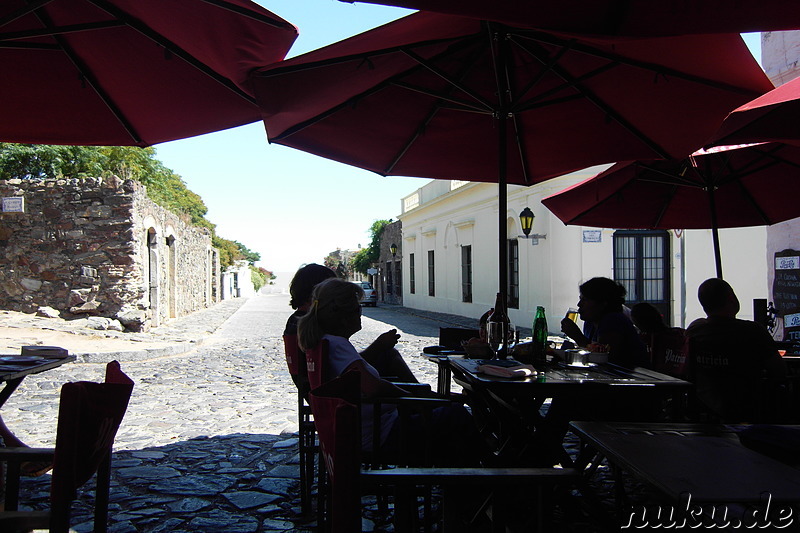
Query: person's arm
x=373, y=386
x=571, y=330
x=381, y=345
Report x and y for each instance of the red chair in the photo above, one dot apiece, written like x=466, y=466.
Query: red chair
x=315, y=364
x=669, y=350
x=337, y=414
x=296, y=361
x=89, y=416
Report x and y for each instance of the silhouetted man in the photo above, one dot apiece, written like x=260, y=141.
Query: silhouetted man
x=734, y=364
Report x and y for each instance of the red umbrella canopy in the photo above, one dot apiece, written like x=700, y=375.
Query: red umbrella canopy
x=419, y=97
x=645, y=18
x=131, y=72
x=771, y=117
x=728, y=187
x=749, y=183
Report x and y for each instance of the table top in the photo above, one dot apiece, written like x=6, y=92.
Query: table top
x=557, y=375
x=706, y=461
x=18, y=366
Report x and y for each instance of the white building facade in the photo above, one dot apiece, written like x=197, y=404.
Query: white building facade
x=450, y=256
x=780, y=57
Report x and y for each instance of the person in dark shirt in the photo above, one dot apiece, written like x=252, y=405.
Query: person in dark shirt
x=605, y=324
x=734, y=364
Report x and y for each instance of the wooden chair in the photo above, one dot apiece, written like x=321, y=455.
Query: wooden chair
x=336, y=410
x=89, y=415
x=296, y=362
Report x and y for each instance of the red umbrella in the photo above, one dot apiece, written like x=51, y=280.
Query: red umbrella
x=440, y=96
x=770, y=117
x=644, y=18
x=131, y=72
x=727, y=187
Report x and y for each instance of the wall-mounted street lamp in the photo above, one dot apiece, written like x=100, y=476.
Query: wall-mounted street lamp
x=526, y=221
x=393, y=249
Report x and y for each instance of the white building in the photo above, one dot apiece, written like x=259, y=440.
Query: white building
x=450, y=255
x=237, y=281
x=780, y=56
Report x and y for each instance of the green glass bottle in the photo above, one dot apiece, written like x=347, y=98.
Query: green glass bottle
x=539, y=336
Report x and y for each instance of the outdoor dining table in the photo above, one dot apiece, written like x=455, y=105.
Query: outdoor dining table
x=512, y=405
x=703, y=470
x=14, y=368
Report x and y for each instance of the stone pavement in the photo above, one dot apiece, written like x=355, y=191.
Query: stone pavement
x=209, y=441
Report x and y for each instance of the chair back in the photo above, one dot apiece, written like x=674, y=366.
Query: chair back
x=669, y=350
x=89, y=416
x=451, y=337
x=296, y=362
x=337, y=415
x=292, y=351
x=316, y=364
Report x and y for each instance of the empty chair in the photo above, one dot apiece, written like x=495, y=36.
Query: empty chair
x=336, y=411
x=89, y=416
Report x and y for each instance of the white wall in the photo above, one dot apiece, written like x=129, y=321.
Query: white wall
x=552, y=270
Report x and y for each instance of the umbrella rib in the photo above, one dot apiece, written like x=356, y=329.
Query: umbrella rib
x=459, y=104
x=435, y=109
x=86, y=73
x=645, y=65
x=328, y=112
x=602, y=105
x=671, y=178
x=172, y=47
x=61, y=30
x=260, y=17
x=536, y=101
x=746, y=193
x=458, y=85
x=300, y=67
x=21, y=12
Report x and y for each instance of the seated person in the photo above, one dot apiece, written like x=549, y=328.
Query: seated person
x=666, y=346
x=733, y=363
x=601, y=308
x=335, y=315
x=381, y=354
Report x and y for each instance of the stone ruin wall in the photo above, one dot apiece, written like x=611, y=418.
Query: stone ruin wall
x=81, y=248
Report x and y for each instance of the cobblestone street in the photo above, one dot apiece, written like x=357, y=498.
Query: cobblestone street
x=209, y=441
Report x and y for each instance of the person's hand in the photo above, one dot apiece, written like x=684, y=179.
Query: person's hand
x=571, y=329
x=386, y=341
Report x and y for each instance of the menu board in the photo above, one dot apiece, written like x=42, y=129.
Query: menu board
x=786, y=291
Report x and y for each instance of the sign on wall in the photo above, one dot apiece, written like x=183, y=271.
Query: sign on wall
x=592, y=235
x=13, y=204
x=786, y=291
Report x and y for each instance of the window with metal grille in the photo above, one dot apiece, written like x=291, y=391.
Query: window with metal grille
x=513, y=274
x=466, y=273
x=398, y=278
x=431, y=275
x=641, y=265
x=412, y=284
x=389, y=284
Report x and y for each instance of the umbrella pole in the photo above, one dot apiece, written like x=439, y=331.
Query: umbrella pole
x=715, y=230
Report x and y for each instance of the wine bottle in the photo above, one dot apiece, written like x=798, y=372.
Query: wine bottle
x=499, y=327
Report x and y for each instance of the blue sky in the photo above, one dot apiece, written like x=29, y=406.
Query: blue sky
x=289, y=206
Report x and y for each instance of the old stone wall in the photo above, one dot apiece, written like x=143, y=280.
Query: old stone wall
x=100, y=247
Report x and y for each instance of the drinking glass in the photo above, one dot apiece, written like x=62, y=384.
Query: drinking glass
x=572, y=314
x=496, y=337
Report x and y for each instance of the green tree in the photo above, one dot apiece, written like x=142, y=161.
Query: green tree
x=248, y=254
x=164, y=187
x=366, y=257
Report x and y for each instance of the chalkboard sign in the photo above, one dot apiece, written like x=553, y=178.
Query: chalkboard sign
x=786, y=291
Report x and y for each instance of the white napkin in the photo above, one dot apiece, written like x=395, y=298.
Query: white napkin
x=519, y=371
